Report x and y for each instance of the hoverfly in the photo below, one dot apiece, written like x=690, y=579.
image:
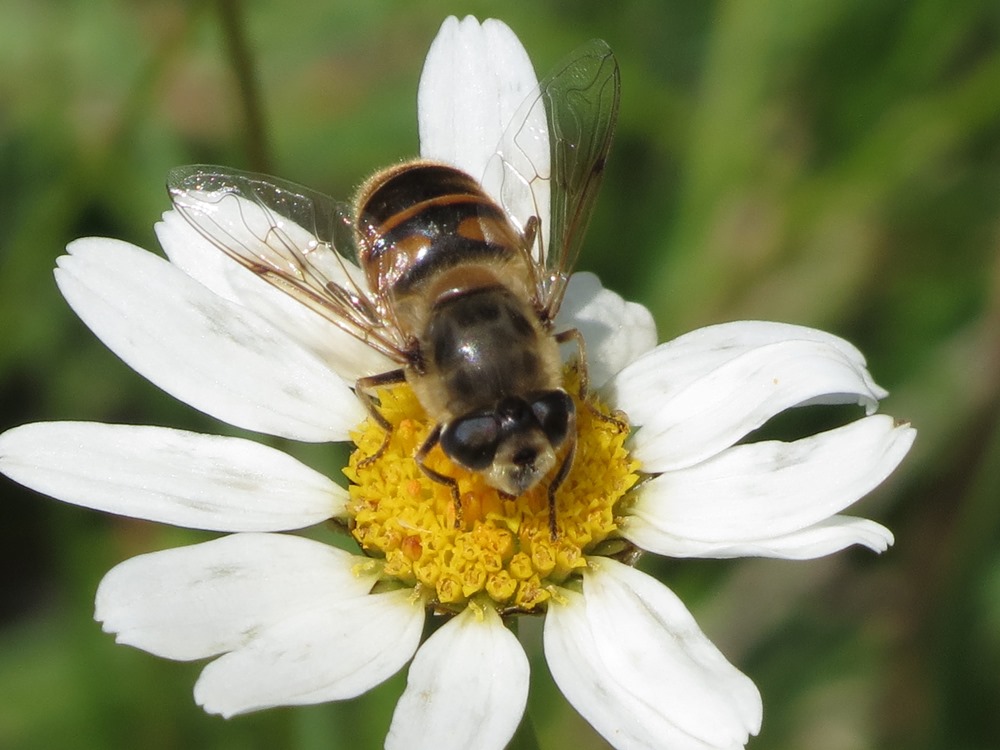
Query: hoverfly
x=458, y=288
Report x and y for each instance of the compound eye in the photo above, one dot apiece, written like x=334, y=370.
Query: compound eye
x=472, y=441
x=554, y=411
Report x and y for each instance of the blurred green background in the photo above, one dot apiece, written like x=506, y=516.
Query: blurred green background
x=834, y=164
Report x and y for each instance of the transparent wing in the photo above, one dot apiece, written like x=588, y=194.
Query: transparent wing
x=551, y=159
x=298, y=240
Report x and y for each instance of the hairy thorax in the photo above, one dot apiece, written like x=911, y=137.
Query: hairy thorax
x=483, y=345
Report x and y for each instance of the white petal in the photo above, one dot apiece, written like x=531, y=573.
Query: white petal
x=170, y=476
x=820, y=539
x=187, y=249
x=687, y=419
x=467, y=688
x=632, y=660
x=206, y=599
x=335, y=650
x=617, y=332
x=768, y=489
x=696, y=354
x=200, y=259
x=218, y=357
x=475, y=78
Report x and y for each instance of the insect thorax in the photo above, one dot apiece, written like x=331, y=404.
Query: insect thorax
x=480, y=347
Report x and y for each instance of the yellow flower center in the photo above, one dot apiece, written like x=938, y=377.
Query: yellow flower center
x=503, y=554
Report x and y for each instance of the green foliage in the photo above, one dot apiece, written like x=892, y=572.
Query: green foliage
x=829, y=164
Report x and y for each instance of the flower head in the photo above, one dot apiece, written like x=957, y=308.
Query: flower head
x=659, y=466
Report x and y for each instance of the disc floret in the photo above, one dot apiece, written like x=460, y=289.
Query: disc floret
x=502, y=553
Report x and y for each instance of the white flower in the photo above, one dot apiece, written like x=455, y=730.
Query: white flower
x=293, y=621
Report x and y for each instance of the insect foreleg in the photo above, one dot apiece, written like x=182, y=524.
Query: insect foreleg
x=363, y=388
x=557, y=481
x=618, y=418
x=437, y=476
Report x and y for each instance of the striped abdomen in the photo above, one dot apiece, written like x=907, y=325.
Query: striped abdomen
x=433, y=231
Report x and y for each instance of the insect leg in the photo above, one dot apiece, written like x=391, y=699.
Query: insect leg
x=530, y=232
x=528, y=236
x=574, y=335
x=363, y=388
x=437, y=476
x=557, y=481
x=617, y=418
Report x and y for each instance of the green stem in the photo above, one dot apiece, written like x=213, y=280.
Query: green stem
x=525, y=737
x=241, y=60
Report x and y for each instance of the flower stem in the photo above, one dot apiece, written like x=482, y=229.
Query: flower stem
x=525, y=737
x=246, y=80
